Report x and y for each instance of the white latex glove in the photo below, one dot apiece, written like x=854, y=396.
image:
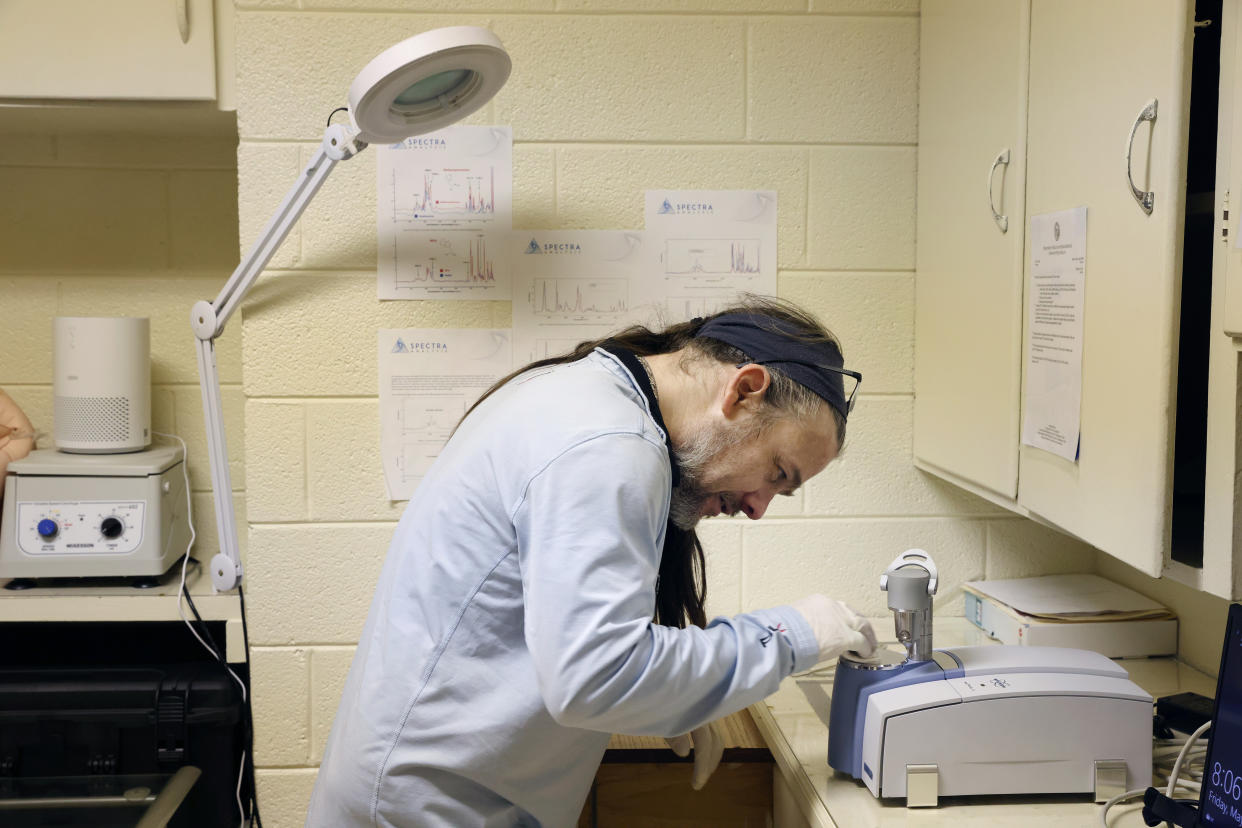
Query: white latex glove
x=708, y=743
x=837, y=628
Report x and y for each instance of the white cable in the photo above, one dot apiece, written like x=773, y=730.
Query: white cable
x=1160, y=754
x=1177, y=766
x=1194, y=787
x=1117, y=800
x=1174, y=749
x=1192, y=768
x=181, y=593
x=237, y=793
x=1125, y=797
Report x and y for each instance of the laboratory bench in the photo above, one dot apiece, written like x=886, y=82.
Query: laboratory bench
x=807, y=793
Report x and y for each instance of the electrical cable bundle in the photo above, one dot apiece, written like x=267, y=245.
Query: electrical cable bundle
x=1178, y=763
x=1186, y=770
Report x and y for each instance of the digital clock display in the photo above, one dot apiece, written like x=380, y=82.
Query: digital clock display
x=1220, y=805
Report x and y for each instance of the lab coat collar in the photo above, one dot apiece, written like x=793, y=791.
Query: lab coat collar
x=641, y=381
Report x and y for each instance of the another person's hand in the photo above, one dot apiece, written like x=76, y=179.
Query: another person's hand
x=16, y=434
x=838, y=629
x=708, y=743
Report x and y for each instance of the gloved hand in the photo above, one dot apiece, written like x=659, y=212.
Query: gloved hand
x=837, y=628
x=708, y=743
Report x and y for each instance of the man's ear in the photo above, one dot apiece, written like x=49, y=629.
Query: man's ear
x=745, y=389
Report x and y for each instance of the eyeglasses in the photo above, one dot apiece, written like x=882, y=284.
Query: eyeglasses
x=854, y=375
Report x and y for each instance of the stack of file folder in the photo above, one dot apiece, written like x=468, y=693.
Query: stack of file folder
x=1083, y=611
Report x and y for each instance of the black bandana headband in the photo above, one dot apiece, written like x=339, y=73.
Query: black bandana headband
x=766, y=340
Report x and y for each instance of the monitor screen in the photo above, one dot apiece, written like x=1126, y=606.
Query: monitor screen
x=1220, y=804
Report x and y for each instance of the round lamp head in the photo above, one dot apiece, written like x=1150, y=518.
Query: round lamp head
x=427, y=82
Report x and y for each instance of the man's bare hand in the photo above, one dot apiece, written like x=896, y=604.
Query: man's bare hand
x=17, y=435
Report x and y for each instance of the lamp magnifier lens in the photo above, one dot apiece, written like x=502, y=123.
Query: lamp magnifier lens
x=431, y=88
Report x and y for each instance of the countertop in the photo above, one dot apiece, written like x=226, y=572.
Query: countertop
x=794, y=723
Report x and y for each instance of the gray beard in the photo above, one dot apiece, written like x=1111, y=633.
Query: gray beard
x=693, y=458
x=686, y=503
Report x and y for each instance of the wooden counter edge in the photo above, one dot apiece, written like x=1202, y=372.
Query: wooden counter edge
x=813, y=808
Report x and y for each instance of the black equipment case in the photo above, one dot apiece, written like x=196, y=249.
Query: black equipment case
x=77, y=735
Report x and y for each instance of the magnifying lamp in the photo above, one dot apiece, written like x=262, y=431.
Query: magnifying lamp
x=419, y=85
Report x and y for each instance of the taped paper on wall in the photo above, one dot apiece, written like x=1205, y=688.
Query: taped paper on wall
x=444, y=203
x=428, y=379
x=711, y=246
x=575, y=285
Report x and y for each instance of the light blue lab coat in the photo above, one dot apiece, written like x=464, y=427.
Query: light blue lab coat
x=511, y=632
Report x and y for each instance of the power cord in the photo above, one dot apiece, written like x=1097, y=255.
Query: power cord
x=254, y=799
x=1189, y=757
x=209, y=644
x=1181, y=756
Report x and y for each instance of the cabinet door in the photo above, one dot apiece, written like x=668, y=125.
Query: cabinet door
x=1222, y=523
x=1093, y=68
x=968, y=322
x=119, y=49
x=1228, y=171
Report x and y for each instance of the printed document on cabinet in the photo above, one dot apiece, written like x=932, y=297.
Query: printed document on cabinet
x=428, y=379
x=1053, y=398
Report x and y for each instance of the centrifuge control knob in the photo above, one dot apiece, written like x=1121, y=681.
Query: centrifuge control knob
x=111, y=527
x=47, y=528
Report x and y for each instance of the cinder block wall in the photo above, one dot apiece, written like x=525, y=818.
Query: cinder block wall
x=607, y=98
x=121, y=224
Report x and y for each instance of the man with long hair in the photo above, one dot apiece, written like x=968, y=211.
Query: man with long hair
x=545, y=586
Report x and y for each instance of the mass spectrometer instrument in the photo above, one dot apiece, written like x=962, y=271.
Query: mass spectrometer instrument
x=985, y=719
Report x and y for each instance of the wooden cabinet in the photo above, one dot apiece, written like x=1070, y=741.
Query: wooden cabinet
x=118, y=50
x=642, y=782
x=1223, y=518
x=1229, y=177
x=968, y=322
x=1094, y=67
x=1060, y=85
x=628, y=793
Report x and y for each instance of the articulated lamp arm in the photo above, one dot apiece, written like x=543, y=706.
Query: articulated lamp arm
x=421, y=84
x=207, y=319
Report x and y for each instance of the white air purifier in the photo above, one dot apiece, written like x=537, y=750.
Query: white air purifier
x=102, y=384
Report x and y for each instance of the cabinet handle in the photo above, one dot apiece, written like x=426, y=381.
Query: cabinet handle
x=183, y=19
x=1001, y=221
x=1145, y=198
